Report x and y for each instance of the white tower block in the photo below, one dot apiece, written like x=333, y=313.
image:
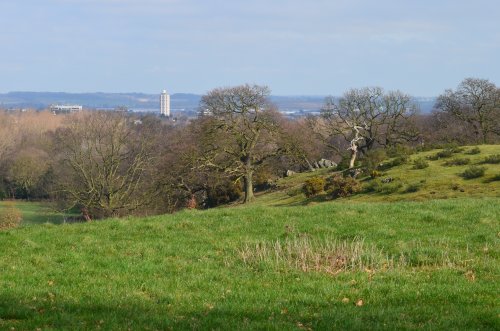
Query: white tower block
x=165, y=103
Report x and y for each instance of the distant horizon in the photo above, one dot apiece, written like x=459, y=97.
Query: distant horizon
x=200, y=94
x=140, y=100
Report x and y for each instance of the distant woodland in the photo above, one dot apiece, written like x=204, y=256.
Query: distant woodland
x=101, y=164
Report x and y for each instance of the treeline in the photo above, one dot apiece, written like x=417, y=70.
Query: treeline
x=105, y=164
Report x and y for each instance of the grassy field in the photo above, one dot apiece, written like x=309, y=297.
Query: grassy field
x=35, y=212
x=437, y=181
x=335, y=265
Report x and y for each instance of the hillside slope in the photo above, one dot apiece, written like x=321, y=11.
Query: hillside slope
x=437, y=181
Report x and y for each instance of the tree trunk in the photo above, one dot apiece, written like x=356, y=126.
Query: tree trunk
x=354, y=153
x=248, y=187
x=247, y=178
x=484, y=133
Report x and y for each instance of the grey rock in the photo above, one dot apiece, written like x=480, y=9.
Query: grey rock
x=324, y=163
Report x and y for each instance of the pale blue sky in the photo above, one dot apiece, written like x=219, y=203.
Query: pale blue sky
x=295, y=47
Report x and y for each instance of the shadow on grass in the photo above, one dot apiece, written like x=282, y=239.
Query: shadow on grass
x=20, y=314
x=495, y=178
x=304, y=201
x=23, y=314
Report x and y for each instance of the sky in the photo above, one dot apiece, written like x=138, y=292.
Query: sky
x=296, y=47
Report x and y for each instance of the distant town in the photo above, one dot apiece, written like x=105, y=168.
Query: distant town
x=179, y=104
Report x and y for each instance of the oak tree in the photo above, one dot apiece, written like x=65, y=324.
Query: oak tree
x=369, y=117
x=240, y=125
x=105, y=163
x=476, y=103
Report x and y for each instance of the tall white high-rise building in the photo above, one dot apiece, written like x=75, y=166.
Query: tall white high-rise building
x=165, y=103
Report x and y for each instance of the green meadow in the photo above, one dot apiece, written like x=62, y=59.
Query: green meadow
x=35, y=212
x=436, y=181
x=397, y=260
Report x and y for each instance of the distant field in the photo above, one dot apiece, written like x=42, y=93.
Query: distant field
x=336, y=265
x=36, y=212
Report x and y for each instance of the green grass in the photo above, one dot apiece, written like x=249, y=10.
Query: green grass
x=283, y=263
x=186, y=271
x=36, y=212
x=437, y=181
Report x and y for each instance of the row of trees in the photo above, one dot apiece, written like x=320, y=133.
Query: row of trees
x=112, y=164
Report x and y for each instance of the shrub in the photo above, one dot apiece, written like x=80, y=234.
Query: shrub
x=389, y=188
x=223, y=193
x=294, y=191
x=492, y=159
x=394, y=162
x=420, y=163
x=339, y=186
x=411, y=188
x=473, y=151
x=453, y=147
x=473, y=172
x=10, y=217
x=372, y=186
x=375, y=174
x=444, y=153
x=457, y=162
x=441, y=154
x=400, y=150
x=399, y=160
x=263, y=179
x=313, y=186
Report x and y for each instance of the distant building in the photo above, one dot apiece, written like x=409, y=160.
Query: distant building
x=165, y=103
x=65, y=108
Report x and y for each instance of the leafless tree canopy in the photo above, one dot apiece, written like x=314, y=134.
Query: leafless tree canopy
x=368, y=117
x=105, y=162
x=476, y=102
x=239, y=125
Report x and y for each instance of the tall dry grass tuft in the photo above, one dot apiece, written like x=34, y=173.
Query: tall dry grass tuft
x=334, y=256
x=305, y=254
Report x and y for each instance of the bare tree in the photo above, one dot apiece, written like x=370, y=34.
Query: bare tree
x=368, y=117
x=9, y=135
x=476, y=102
x=105, y=163
x=181, y=179
x=25, y=144
x=299, y=143
x=27, y=169
x=239, y=126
